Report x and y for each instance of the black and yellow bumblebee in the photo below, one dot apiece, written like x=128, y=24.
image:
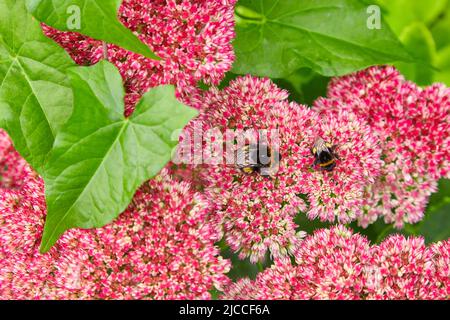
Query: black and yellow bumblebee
x=324, y=154
x=259, y=158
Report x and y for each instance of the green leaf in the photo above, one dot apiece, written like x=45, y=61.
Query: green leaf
x=436, y=224
x=241, y=268
x=443, y=64
x=440, y=197
x=440, y=30
x=418, y=40
x=402, y=13
x=98, y=20
x=305, y=86
x=35, y=93
x=100, y=157
x=275, y=38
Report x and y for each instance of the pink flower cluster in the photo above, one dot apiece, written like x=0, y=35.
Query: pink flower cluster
x=340, y=193
x=412, y=128
x=257, y=212
x=12, y=166
x=192, y=37
x=162, y=247
x=336, y=264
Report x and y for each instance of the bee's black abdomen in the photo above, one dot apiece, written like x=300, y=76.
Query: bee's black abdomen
x=324, y=155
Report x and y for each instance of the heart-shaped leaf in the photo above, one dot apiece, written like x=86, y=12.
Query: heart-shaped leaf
x=332, y=37
x=35, y=93
x=100, y=157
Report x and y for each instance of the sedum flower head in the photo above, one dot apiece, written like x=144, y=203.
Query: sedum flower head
x=161, y=247
x=337, y=264
x=441, y=258
x=332, y=264
x=279, y=282
x=408, y=269
x=256, y=211
x=411, y=125
x=192, y=38
x=340, y=192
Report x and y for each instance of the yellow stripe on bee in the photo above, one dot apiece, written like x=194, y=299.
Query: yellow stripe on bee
x=326, y=163
x=247, y=169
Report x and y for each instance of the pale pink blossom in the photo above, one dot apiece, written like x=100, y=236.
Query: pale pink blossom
x=13, y=168
x=337, y=264
x=257, y=212
x=408, y=269
x=412, y=127
x=161, y=247
x=333, y=264
x=340, y=193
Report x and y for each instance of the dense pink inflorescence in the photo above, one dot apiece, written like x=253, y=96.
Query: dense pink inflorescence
x=63, y=273
x=162, y=247
x=13, y=168
x=340, y=193
x=332, y=264
x=412, y=126
x=336, y=264
x=407, y=269
x=192, y=38
x=257, y=212
x=441, y=258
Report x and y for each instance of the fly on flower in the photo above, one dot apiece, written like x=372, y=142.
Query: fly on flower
x=259, y=158
x=324, y=153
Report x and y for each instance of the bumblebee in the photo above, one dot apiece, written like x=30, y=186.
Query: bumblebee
x=325, y=156
x=259, y=158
